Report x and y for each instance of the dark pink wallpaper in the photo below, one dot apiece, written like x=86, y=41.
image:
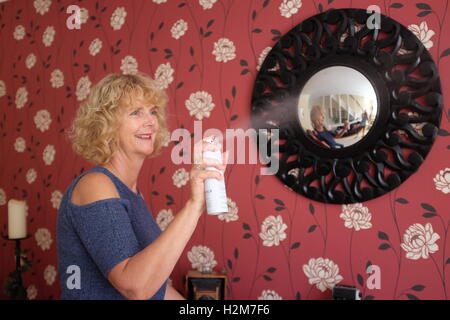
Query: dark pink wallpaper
x=274, y=244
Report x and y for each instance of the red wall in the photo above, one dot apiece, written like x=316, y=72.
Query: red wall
x=312, y=230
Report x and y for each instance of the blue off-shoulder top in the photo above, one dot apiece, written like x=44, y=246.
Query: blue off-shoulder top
x=93, y=238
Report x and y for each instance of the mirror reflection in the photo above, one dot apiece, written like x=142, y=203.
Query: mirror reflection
x=337, y=107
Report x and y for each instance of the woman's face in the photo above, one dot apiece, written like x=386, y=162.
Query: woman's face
x=138, y=128
x=319, y=119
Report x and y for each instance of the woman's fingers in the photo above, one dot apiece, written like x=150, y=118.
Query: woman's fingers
x=209, y=162
x=201, y=167
x=206, y=174
x=201, y=164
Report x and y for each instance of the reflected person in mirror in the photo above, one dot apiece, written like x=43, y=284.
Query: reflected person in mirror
x=321, y=133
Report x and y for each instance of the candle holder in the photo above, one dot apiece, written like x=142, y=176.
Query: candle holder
x=14, y=286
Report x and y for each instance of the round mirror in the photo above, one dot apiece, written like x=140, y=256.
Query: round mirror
x=357, y=108
x=337, y=107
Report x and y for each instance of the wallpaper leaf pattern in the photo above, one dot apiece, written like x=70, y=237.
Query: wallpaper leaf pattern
x=273, y=243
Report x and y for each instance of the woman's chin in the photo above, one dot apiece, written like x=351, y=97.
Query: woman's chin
x=146, y=152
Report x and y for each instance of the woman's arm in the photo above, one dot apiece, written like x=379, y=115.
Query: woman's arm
x=340, y=133
x=140, y=276
x=343, y=130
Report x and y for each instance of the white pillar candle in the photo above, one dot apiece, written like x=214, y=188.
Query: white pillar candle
x=17, y=222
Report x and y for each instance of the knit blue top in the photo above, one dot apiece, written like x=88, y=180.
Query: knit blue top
x=93, y=238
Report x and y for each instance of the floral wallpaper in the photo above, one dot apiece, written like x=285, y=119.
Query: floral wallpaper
x=273, y=243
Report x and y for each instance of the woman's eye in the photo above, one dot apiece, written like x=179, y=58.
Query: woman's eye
x=138, y=112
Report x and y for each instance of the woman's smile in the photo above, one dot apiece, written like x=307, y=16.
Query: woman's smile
x=145, y=136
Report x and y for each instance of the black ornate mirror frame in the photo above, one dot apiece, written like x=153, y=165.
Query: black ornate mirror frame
x=407, y=85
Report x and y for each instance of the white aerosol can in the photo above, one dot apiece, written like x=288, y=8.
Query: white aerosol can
x=215, y=192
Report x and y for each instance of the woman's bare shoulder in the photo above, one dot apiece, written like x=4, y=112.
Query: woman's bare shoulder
x=92, y=187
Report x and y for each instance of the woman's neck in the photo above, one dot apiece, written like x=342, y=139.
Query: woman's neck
x=127, y=171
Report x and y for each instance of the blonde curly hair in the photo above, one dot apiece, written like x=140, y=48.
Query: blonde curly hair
x=93, y=132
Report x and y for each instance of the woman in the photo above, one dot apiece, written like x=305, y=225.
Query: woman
x=318, y=122
x=104, y=229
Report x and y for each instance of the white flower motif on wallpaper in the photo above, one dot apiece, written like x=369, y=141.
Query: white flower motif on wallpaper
x=57, y=78
x=419, y=241
x=269, y=295
x=20, y=144
x=42, y=6
x=19, y=32
x=84, y=15
x=83, y=88
x=129, y=65
x=49, y=154
x=201, y=257
x=56, y=199
x=423, y=33
x=179, y=28
x=118, y=18
x=21, y=97
x=262, y=57
x=30, y=60
x=356, y=216
x=442, y=181
x=43, y=238
x=180, y=177
x=32, y=292
x=289, y=7
x=164, y=218
x=42, y=120
x=324, y=273
x=207, y=4
x=50, y=274
x=163, y=76
x=224, y=50
x=48, y=36
x=231, y=215
x=2, y=197
x=200, y=104
x=272, y=231
x=95, y=47
x=2, y=88
x=31, y=175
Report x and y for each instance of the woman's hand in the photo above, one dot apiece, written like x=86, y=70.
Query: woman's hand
x=198, y=172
